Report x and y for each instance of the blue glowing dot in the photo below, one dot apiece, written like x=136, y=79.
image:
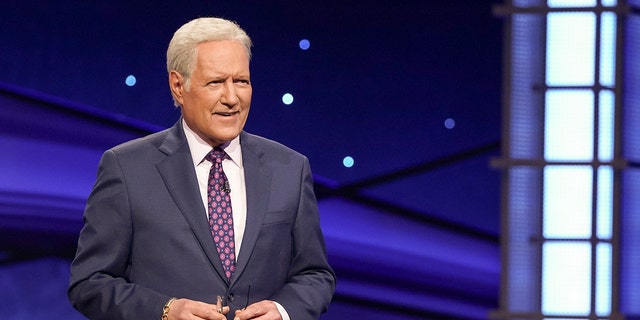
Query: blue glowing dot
x=287, y=98
x=449, y=123
x=130, y=81
x=304, y=44
x=348, y=162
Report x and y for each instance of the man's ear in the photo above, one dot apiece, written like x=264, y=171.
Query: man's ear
x=177, y=86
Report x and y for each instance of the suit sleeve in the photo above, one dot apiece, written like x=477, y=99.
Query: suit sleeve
x=99, y=287
x=311, y=281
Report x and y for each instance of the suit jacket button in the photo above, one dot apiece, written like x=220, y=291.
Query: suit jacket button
x=231, y=296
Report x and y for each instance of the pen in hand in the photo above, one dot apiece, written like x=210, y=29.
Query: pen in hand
x=219, y=304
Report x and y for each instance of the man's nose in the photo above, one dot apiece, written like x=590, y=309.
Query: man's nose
x=229, y=96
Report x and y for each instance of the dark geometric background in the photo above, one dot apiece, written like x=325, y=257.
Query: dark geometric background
x=377, y=84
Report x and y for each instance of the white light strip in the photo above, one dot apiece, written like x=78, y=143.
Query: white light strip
x=608, y=49
x=603, y=279
x=571, y=3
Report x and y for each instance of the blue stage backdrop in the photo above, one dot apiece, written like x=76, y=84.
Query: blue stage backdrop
x=396, y=104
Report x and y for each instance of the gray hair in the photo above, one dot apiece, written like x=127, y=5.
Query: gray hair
x=181, y=54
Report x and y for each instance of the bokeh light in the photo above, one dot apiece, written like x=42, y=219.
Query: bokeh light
x=348, y=162
x=304, y=44
x=449, y=123
x=287, y=98
x=130, y=80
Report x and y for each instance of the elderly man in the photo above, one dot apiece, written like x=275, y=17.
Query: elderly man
x=203, y=220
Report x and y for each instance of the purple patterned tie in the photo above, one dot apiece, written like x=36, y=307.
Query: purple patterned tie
x=220, y=214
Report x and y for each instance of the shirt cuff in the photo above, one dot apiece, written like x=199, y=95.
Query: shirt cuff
x=283, y=313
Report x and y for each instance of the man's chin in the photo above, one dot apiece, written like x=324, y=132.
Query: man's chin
x=218, y=139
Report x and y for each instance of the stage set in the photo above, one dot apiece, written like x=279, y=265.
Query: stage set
x=397, y=105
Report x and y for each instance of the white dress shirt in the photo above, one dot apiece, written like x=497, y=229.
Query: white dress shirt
x=232, y=169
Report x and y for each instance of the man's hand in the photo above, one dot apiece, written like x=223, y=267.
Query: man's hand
x=263, y=310
x=182, y=309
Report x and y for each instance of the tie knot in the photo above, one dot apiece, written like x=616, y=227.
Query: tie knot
x=216, y=155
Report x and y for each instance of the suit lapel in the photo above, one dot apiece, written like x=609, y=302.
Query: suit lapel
x=258, y=183
x=180, y=178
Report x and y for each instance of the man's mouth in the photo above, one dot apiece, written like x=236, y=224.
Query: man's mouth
x=226, y=114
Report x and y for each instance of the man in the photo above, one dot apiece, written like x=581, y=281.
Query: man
x=155, y=244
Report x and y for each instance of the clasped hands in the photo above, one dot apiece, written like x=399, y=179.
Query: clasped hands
x=186, y=309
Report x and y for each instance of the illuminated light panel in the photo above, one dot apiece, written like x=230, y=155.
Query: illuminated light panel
x=608, y=49
x=523, y=264
x=606, y=124
x=569, y=123
x=567, y=198
x=571, y=3
x=566, y=278
x=603, y=279
x=604, y=228
x=570, y=48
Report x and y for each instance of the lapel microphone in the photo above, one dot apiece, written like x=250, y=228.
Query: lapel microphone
x=226, y=188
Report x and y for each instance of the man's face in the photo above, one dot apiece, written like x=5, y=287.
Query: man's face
x=218, y=101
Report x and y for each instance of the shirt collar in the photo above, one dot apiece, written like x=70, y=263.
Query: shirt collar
x=199, y=148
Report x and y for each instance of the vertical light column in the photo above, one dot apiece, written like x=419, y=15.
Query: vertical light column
x=571, y=63
x=561, y=160
x=523, y=138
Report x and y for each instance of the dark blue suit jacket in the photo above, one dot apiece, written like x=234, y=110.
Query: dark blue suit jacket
x=146, y=237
